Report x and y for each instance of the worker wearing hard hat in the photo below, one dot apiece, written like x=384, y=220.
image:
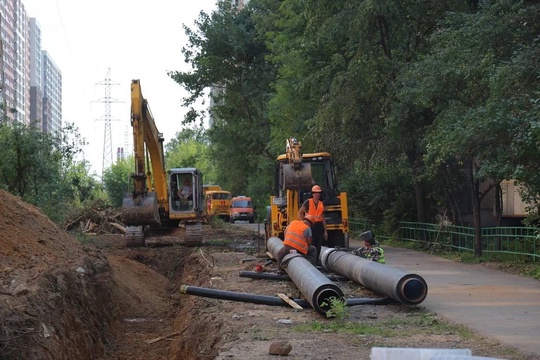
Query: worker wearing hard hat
x=314, y=207
x=371, y=249
x=298, y=239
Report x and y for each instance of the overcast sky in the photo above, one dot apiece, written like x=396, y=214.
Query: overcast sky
x=135, y=39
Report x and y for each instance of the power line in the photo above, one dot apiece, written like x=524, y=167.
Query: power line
x=107, y=134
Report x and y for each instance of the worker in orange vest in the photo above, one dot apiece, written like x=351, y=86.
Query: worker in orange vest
x=297, y=239
x=315, y=208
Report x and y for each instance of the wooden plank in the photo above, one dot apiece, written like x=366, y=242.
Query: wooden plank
x=290, y=301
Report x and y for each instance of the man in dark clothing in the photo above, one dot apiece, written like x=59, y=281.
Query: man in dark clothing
x=371, y=249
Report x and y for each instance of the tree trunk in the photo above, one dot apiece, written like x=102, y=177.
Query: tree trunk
x=420, y=203
x=475, y=196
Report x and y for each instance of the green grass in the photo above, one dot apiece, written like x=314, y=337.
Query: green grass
x=413, y=324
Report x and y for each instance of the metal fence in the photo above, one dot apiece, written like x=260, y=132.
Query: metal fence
x=518, y=241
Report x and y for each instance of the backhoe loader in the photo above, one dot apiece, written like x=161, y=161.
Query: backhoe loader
x=295, y=174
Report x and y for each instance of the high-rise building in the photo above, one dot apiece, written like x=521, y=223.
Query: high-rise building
x=31, y=86
x=36, y=94
x=52, y=95
x=7, y=34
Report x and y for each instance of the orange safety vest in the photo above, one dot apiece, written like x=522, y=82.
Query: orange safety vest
x=294, y=236
x=317, y=212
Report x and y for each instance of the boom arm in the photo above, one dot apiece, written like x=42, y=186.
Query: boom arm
x=146, y=133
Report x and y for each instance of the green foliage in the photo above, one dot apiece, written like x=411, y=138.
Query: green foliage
x=228, y=54
x=117, y=180
x=337, y=308
x=418, y=102
x=42, y=169
x=190, y=148
x=422, y=322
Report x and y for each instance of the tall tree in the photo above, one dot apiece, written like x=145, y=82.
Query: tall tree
x=460, y=81
x=228, y=54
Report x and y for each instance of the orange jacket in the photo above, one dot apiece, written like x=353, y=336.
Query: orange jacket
x=295, y=238
x=317, y=212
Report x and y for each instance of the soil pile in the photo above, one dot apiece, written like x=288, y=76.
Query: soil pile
x=53, y=294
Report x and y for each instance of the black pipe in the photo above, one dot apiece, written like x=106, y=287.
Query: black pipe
x=268, y=300
x=409, y=289
x=316, y=288
x=283, y=277
x=236, y=296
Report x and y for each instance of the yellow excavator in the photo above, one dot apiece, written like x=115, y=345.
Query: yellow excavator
x=295, y=175
x=161, y=199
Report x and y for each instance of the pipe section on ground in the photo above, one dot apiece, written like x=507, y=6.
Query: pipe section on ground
x=238, y=296
x=409, y=289
x=283, y=277
x=267, y=300
x=316, y=287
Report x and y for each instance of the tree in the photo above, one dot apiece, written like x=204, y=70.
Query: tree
x=117, y=180
x=42, y=170
x=227, y=53
x=190, y=148
x=460, y=82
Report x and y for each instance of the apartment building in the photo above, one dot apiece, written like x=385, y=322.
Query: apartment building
x=31, y=88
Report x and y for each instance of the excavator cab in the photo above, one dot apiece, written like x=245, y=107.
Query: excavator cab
x=185, y=193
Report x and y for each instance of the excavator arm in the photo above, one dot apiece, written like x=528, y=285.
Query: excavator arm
x=142, y=207
x=296, y=174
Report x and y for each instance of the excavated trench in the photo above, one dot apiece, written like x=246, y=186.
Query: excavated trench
x=123, y=304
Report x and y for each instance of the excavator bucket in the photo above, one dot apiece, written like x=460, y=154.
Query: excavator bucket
x=297, y=177
x=140, y=210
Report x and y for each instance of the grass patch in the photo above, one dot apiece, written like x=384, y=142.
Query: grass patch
x=412, y=324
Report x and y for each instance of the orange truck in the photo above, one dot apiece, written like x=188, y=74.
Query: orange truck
x=241, y=209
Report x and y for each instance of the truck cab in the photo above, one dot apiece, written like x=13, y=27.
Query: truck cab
x=242, y=209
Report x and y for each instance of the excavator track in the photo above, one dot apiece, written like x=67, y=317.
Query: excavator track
x=134, y=236
x=194, y=234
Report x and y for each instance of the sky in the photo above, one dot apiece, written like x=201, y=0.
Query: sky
x=125, y=39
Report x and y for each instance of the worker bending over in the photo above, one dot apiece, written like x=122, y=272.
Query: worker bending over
x=298, y=238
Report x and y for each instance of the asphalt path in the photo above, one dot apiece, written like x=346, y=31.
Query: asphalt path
x=493, y=303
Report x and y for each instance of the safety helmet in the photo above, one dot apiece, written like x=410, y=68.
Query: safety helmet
x=310, y=219
x=316, y=189
x=368, y=236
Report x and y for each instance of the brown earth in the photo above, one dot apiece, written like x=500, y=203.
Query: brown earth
x=66, y=297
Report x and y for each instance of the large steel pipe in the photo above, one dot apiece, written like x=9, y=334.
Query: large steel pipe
x=316, y=287
x=409, y=289
x=274, y=276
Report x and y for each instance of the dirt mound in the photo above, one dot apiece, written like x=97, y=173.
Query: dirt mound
x=54, y=294
x=30, y=241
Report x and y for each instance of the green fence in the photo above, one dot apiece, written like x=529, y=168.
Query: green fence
x=522, y=241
